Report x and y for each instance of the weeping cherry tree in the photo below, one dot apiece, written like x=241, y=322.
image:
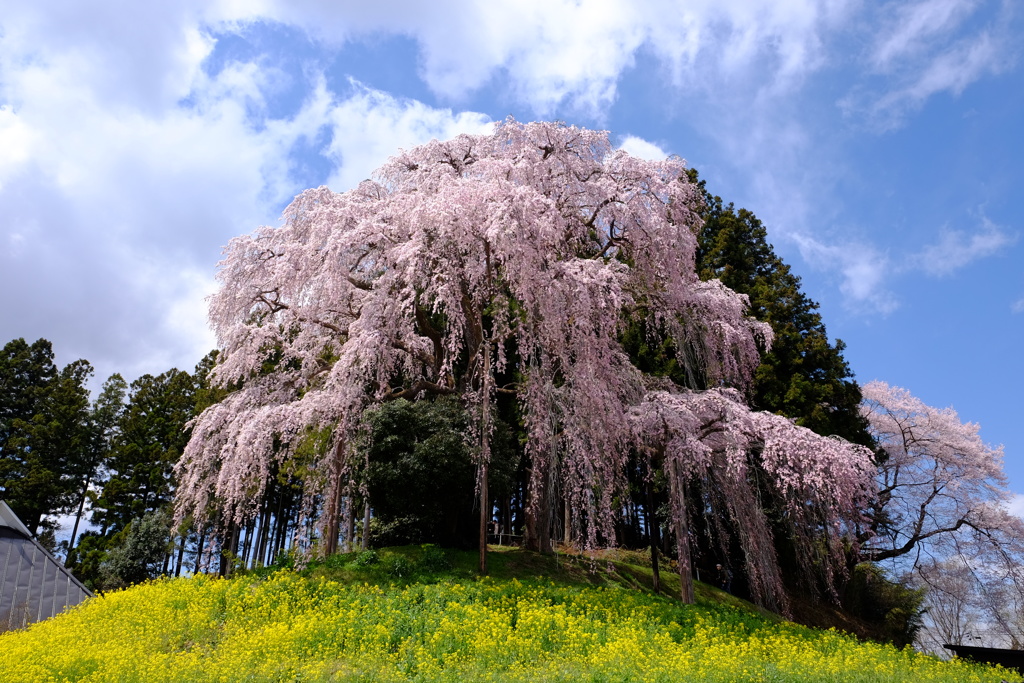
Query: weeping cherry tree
x=508, y=263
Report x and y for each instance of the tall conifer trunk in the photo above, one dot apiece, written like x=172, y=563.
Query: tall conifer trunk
x=181, y=554
x=199, y=550
x=366, y=524
x=78, y=517
x=538, y=510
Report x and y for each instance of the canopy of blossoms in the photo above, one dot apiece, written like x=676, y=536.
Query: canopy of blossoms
x=509, y=263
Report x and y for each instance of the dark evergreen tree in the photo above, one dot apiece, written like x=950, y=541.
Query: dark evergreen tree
x=26, y=374
x=151, y=437
x=420, y=475
x=206, y=395
x=137, y=444
x=44, y=431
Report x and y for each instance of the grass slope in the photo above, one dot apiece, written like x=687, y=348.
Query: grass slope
x=415, y=614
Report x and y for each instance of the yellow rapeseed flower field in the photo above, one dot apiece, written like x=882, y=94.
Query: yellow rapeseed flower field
x=285, y=627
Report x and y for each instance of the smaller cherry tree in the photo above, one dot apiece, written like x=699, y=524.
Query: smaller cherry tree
x=970, y=603
x=941, y=517
x=941, y=489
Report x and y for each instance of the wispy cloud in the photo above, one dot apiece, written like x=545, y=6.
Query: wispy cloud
x=868, y=277
x=927, y=48
x=914, y=27
x=865, y=272
x=957, y=249
x=951, y=71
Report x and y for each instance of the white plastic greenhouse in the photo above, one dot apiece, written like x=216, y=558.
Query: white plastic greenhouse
x=33, y=584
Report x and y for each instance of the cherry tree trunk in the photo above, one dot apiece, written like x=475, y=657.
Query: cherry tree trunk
x=485, y=514
x=682, y=527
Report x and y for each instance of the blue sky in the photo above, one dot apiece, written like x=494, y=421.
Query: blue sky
x=881, y=144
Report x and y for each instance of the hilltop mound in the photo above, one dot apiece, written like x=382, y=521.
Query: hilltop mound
x=415, y=615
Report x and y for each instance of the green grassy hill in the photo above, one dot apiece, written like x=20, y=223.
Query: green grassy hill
x=413, y=614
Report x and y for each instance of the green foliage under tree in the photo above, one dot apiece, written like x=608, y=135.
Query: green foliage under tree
x=420, y=474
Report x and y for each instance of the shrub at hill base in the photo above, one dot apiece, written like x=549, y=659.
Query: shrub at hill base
x=893, y=610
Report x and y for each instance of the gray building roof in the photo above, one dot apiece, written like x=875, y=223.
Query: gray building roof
x=33, y=584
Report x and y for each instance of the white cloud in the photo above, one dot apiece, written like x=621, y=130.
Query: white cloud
x=371, y=126
x=126, y=167
x=16, y=141
x=957, y=249
x=568, y=53
x=1016, y=505
x=642, y=149
x=141, y=55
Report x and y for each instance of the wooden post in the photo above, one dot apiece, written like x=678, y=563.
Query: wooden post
x=485, y=451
